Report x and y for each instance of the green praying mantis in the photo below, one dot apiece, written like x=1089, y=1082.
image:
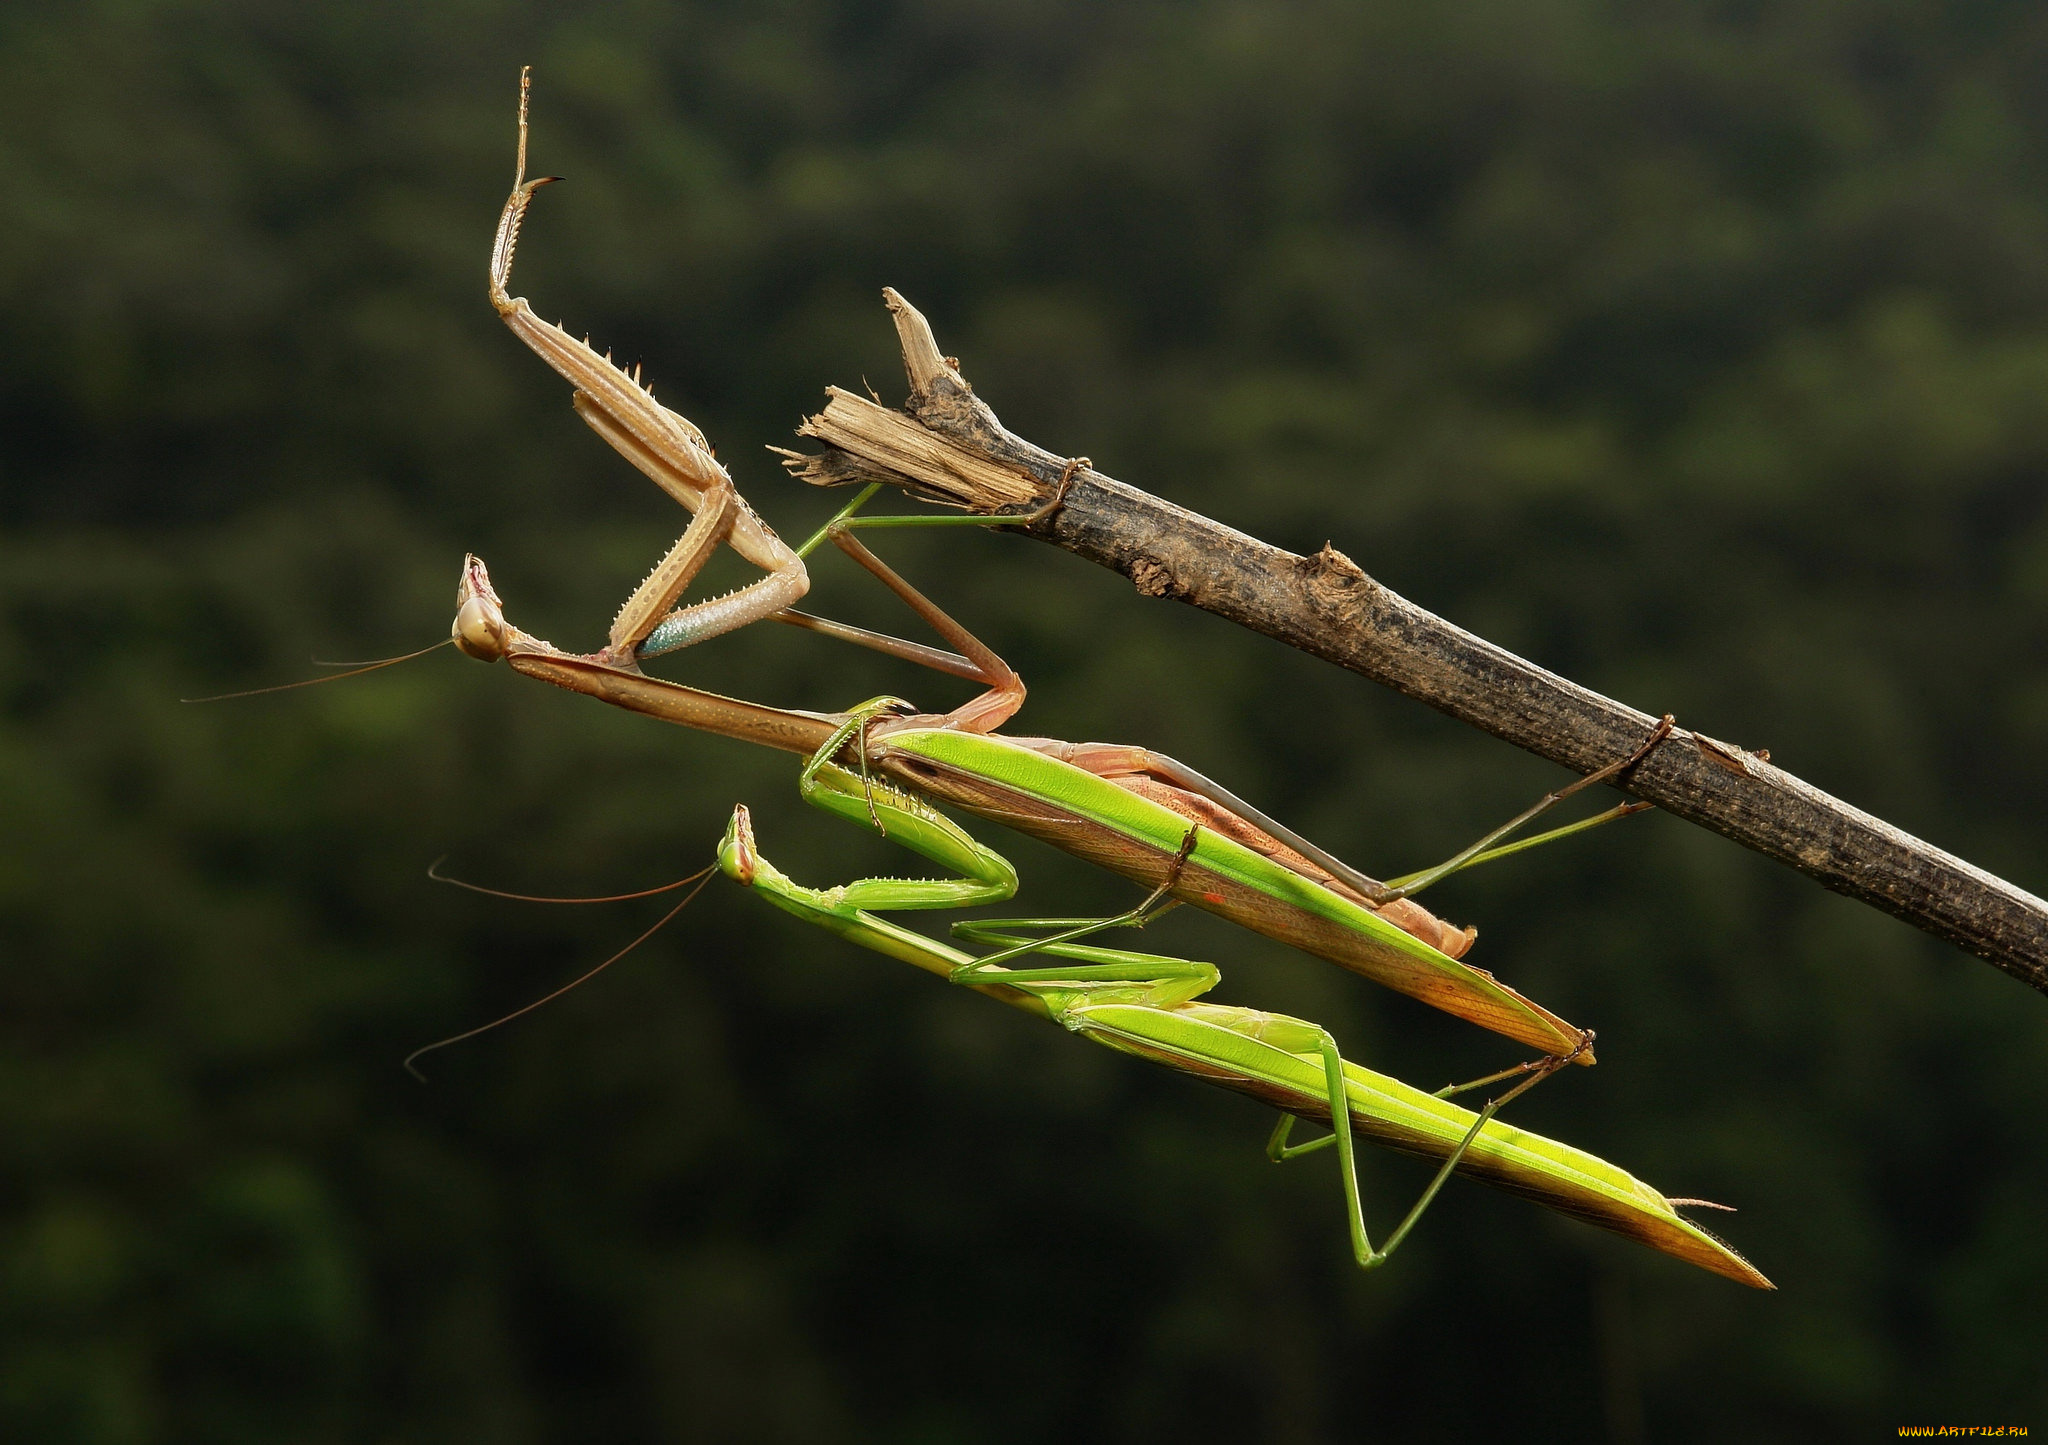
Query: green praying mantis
x=883, y=763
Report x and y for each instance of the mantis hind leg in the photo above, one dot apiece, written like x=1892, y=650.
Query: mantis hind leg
x=1491, y=846
x=1279, y=1150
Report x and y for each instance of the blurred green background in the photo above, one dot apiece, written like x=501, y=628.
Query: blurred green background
x=1698, y=351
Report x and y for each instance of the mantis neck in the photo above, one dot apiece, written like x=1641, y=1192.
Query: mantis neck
x=787, y=729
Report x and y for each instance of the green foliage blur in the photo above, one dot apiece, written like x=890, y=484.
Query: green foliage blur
x=1696, y=350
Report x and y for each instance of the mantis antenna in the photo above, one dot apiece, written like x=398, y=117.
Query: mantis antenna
x=700, y=878
x=434, y=872
x=354, y=670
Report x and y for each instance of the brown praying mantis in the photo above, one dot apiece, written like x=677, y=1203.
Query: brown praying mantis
x=1155, y=821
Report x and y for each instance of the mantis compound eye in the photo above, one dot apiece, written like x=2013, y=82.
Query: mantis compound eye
x=479, y=630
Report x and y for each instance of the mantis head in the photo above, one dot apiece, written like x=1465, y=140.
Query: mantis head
x=480, y=628
x=736, y=856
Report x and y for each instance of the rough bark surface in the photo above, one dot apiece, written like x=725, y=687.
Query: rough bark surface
x=948, y=446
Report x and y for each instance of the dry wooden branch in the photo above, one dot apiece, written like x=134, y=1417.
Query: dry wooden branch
x=948, y=446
